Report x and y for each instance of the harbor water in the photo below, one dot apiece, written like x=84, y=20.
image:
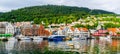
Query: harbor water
x=93, y=46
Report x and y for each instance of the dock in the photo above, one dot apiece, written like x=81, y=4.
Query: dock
x=24, y=38
x=3, y=39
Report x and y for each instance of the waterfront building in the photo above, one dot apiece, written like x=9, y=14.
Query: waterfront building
x=100, y=32
x=6, y=29
x=26, y=30
x=70, y=31
x=60, y=31
x=2, y=28
x=112, y=31
x=35, y=30
x=9, y=29
x=76, y=32
x=84, y=32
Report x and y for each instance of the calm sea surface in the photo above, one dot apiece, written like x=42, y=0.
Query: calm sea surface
x=83, y=46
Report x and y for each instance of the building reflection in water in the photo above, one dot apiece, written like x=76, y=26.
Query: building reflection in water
x=116, y=45
x=2, y=48
x=78, y=45
x=43, y=44
x=9, y=46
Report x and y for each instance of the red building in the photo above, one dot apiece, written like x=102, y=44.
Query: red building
x=100, y=33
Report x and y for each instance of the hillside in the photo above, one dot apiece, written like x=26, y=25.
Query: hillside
x=0, y=12
x=48, y=12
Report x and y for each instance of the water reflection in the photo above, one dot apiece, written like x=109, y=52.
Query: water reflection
x=104, y=47
x=93, y=46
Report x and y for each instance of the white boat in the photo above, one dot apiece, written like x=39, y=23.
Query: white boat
x=25, y=38
x=12, y=39
x=2, y=37
x=75, y=38
x=37, y=38
x=37, y=41
x=83, y=38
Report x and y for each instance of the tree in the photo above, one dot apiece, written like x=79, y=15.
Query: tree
x=36, y=21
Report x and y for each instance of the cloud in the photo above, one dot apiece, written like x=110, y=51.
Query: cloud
x=109, y=5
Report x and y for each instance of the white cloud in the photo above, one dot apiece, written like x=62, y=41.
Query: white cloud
x=109, y=5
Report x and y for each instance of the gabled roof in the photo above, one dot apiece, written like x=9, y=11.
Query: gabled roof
x=72, y=29
x=61, y=28
x=112, y=29
x=82, y=29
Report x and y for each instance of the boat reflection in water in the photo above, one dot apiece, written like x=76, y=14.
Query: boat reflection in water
x=93, y=46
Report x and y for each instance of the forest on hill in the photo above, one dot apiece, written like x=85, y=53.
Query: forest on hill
x=50, y=14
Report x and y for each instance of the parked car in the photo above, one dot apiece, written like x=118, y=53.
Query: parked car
x=56, y=38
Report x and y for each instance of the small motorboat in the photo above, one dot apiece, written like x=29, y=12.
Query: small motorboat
x=2, y=37
x=25, y=38
x=75, y=38
x=37, y=38
x=12, y=39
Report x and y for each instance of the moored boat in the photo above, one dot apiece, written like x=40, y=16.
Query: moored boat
x=12, y=39
x=25, y=38
x=56, y=38
x=37, y=38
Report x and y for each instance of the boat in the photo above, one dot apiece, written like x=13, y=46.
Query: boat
x=2, y=38
x=56, y=38
x=37, y=38
x=75, y=38
x=25, y=38
x=12, y=39
x=91, y=37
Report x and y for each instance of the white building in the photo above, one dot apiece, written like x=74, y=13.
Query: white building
x=9, y=28
x=70, y=31
x=76, y=32
x=60, y=31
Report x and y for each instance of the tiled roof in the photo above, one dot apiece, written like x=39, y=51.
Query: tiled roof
x=82, y=29
x=112, y=29
x=72, y=28
x=61, y=28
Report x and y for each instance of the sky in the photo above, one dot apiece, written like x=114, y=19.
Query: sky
x=108, y=5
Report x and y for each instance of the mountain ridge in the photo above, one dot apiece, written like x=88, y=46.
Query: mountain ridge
x=47, y=11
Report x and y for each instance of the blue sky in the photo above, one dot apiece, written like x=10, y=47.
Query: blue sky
x=109, y=5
